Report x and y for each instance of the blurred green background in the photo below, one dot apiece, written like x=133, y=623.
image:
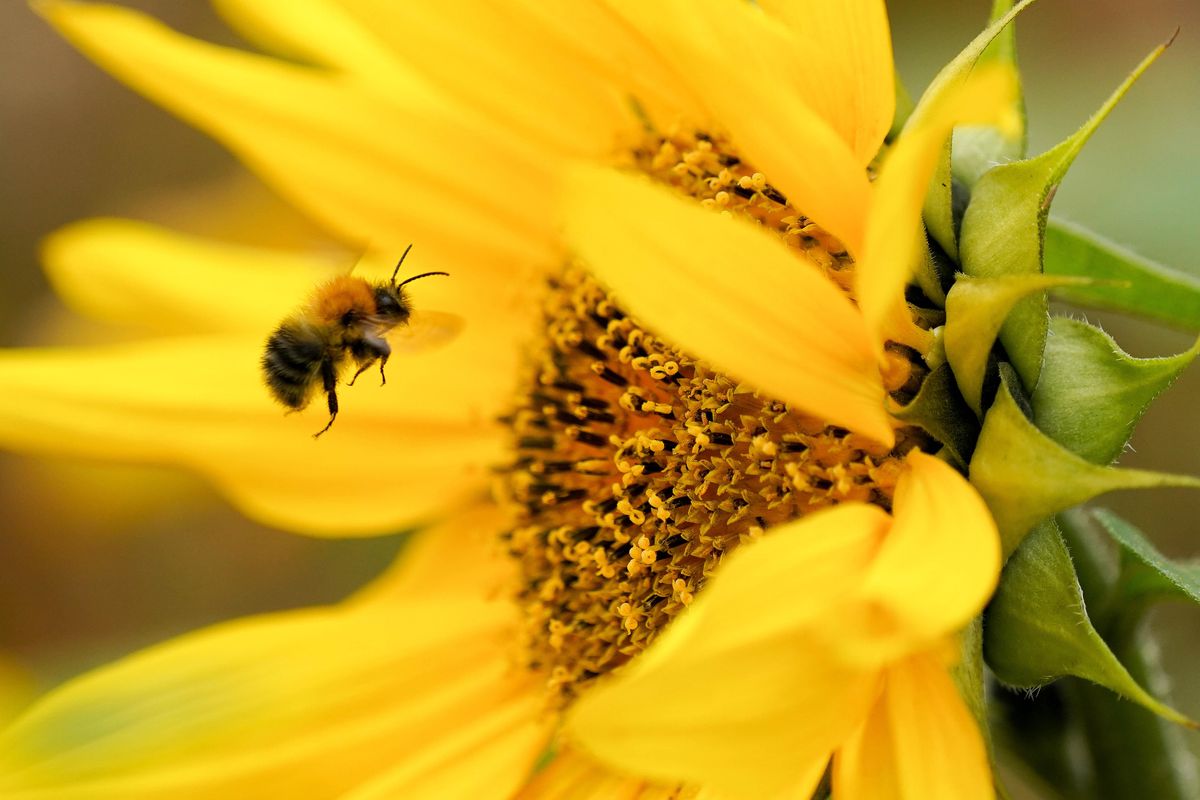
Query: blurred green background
x=99, y=560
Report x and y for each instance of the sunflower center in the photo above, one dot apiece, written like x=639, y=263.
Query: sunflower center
x=704, y=166
x=638, y=467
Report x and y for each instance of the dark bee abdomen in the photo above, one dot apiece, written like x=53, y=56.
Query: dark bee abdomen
x=292, y=364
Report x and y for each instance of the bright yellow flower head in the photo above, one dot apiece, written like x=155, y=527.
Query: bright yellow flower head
x=681, y=254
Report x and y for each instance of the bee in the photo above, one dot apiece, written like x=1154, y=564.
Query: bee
x=345, y=319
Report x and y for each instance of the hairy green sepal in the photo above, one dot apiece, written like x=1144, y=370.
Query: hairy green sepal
x=976, y=309
x=938, y=211
x=1091, y=393
x=1025, y=476
x=1003, y=227
x=1038, y=629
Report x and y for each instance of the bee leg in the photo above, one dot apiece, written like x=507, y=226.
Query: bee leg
x=383, y=363
x=366, y=365
x=329, y=380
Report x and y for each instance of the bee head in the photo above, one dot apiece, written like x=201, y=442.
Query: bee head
x=391, y=306
x=391, y=303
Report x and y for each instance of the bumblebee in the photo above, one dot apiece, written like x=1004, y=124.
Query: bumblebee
x=345, y=319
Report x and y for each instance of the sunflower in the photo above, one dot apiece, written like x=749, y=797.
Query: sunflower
x=709, y=560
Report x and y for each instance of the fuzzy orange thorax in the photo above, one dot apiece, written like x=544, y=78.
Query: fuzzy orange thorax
x=343, y=294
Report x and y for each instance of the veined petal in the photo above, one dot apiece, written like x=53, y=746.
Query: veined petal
x=300, y=704
x=739, y=61
x=135, y=273
x=725, y=290
x=784, y=703
x=847, y=70
x=894, y=228
x=920, y=742
x=396, y=455
x=512, y=64
x=380, y=168
x=935, y=571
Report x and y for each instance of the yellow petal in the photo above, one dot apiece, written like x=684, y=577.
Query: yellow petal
x=935, y=571
x=380, y=168
x=738, y=60
x=397, y=454
x=487, y=758
x=776, y=702
x=305, y=704
x=516, y=63
x=134, y=273
x=319, y=31
x=571, y=775
x=846, y=63
x=920, y=742
x=727, y=291
x=595, y=34
x=457, y=557
x=894, y=229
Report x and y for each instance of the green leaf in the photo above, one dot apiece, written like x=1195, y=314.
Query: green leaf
x=1129, y=282
x=1025, y=476
x=939, y=207
x=939, y=409
x=1133, y=752
x=1002, y=230
x=1037, y=628
x=1162, y=576
x=975, y=311
x=1091, y=393
x=978, y=148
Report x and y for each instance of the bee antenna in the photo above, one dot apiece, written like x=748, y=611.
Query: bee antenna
x=403, y=256
x=422, y=275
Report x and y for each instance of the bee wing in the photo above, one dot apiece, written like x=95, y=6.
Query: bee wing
x=425, y=330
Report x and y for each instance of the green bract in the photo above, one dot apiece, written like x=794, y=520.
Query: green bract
x=939, y=203
x=1092, y=393
x=1039, y=407
x=1003, y=228
x=1025, y=476
x=1038, y=627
